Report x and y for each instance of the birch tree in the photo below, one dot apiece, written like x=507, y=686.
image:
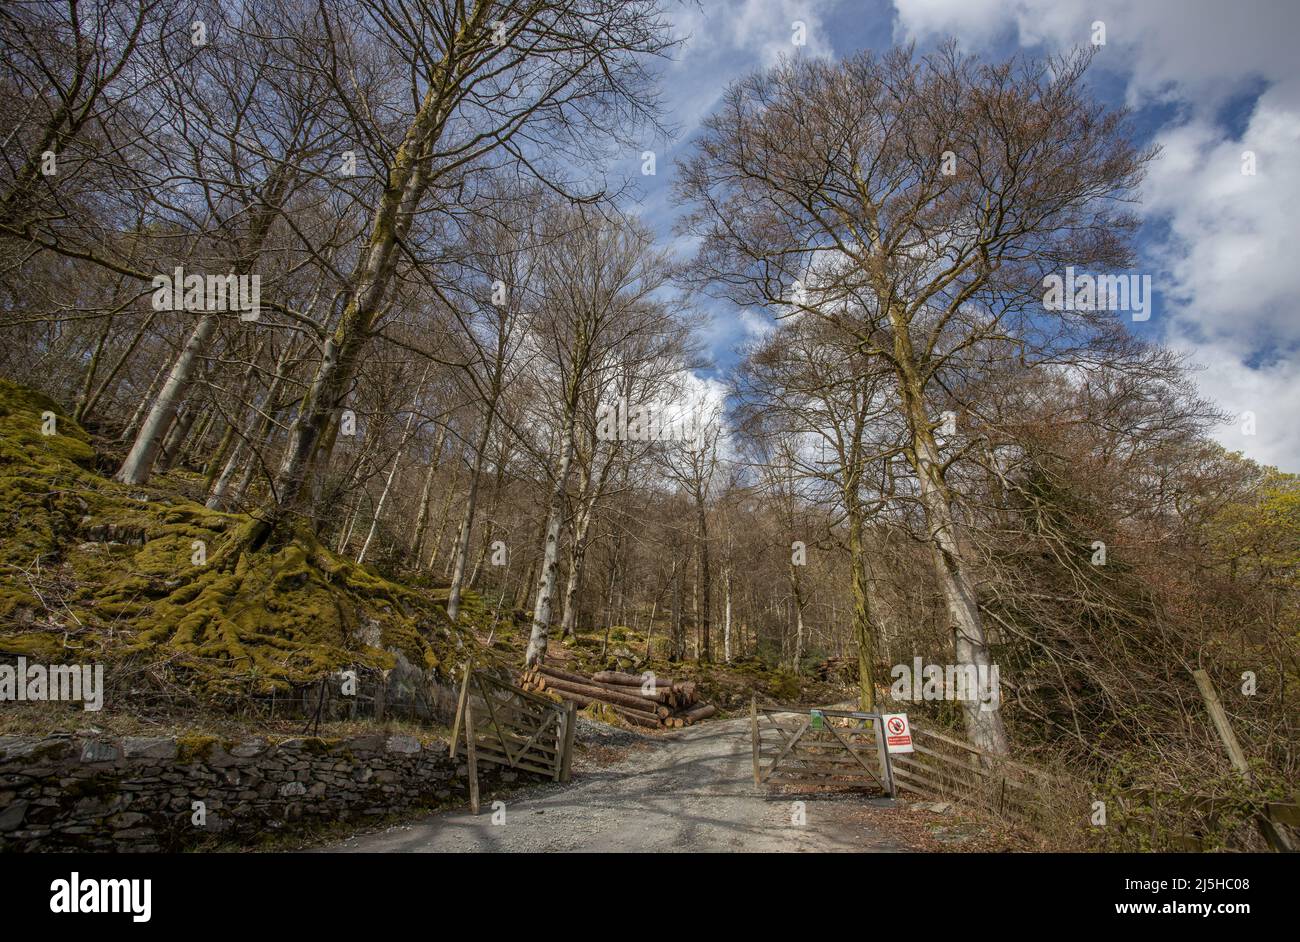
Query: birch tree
x=600, y=278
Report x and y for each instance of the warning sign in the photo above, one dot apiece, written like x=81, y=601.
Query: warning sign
x=898, y=734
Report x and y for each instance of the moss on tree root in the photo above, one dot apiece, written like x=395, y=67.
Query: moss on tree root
x=90, y=568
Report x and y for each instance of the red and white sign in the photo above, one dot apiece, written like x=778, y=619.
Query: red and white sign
x=898, y=734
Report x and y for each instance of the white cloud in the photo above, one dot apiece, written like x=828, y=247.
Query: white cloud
x=1231, y=251
x=1232, y=282
x=755, y=325
x=1198, y=50
x=725, y=40
x=1271, y=393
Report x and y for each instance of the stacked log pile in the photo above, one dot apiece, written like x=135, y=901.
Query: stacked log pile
x=670, y=705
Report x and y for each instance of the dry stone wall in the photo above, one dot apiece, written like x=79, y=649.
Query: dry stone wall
x=69, y=792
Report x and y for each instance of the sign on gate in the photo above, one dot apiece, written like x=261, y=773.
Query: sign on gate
x=898, y=734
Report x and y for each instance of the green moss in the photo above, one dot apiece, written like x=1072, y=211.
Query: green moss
x=319, y=746
x=145, y=573
x=194, y=748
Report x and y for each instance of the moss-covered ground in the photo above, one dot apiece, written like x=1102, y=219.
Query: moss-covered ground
x=145, y=577
x=147, y=580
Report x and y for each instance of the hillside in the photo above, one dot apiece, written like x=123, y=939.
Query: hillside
x=96, y=571
x=140, y=578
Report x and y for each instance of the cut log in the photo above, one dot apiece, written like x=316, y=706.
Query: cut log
x=673, y=704
x=626, y=701
x=660, y=696
x=627, y=680
x=561, y=674
x=701, y=712
x=668, y=691
x=637, y=717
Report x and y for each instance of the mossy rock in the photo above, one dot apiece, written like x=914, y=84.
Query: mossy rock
x=194, y=748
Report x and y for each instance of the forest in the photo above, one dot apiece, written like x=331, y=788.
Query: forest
x=346, y=329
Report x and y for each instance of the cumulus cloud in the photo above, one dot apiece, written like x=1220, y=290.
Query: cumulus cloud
x=755, y=325
x=1230, y=249
x=1198, y=51
x=1226, y=240
x=728, y=38
x=1269, y=393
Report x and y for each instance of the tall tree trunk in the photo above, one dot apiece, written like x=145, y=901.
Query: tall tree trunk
x=198, y=441
x=137, y=417
x=443, y=516
x=587, y=496
x=234, y=461
x=796, y=595
x=408, y=178
x=174, y=444
x=83, y=397
x=346, y=536
x=538, y=637
x=392, y=473
x=93, y=400
x=970, y=649
x=525, y=586
x=217, y=461
x=677, y=645
x=138, y=464
x=422, y=521
x=577, y=560
x=863, y=630
x=461, y=552
x=703, y=577
x=726, y=615
x=260, y=426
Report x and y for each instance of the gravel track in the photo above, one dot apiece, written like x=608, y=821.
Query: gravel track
x=690, y=790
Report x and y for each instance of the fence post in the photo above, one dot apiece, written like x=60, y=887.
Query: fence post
x=753, y=721
x=886, y=764
x=1273, y=835
x=471, y=756
x=566, y=754
x=1221, y=724
x=460, y=709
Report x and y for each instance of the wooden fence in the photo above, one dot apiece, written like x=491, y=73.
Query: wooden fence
x=818, y=748
x=1186, y=821
x=508, y=726
x=943, y=766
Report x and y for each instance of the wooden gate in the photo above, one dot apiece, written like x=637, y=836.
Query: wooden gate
x=508, y=726
x=823, y=748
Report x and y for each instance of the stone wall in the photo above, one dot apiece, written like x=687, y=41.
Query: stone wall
x=68, y=792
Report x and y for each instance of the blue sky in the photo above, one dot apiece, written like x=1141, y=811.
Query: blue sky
x=1207, y=80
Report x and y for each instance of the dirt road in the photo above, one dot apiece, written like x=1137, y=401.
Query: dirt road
x=687, y=791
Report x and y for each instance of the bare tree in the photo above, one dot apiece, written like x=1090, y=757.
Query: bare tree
x=821, y=188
